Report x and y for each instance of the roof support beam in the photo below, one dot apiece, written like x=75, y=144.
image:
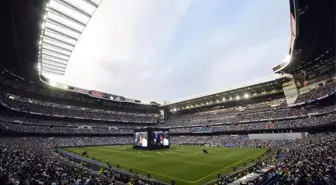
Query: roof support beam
x=91, y=3
x=60, y=33
x=64, y=22
x=53, y=21
x=55, y=52
x=57, y=40
x=54, y=57
x=53, y=66
x=53, y=72
x=52, y=10
x=54, y=63
x=51, y=60
x=52, y=69
x=74, y=8
x=58, y=47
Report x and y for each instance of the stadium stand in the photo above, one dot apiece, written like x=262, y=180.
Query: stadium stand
x=47, y=108
x=38, y=120
x=320, y=90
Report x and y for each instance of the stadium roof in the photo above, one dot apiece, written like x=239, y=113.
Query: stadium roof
x=312, y=49
x=312, y=46
x=63, y=23
x=236, y=93
x=22, y=29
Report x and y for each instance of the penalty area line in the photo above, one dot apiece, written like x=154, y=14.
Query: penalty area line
x=151, y=172
x=226, y=167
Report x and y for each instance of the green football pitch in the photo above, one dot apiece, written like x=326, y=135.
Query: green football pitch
x=184, y=164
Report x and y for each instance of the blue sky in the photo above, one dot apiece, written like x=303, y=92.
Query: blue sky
x=170, y=49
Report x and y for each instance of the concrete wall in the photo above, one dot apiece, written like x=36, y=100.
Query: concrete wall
x=278, y=136
x=290, y=91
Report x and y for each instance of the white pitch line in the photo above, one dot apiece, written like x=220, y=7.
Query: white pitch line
x=225, y=167
x=151, y=172
x=159, y=153
x=172, y=178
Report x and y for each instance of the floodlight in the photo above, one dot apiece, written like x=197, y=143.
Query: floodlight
x=246, y=95
x=174, y=109
x=237, y=98
x=287, y=58
x=52, y=83
x=207, y=103
x=224, y=99
x=230, y=98
x=38, y=66
x=217, y=101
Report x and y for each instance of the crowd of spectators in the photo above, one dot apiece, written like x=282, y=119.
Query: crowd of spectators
x=307, y=161
x=317, y=92
x=28, y=124
x=220, y=116
x=229, y=141
x=307, y=121
x=32, y=128
x=32, y=161
x=310, y=161
x=258, y=116
x=53, y=109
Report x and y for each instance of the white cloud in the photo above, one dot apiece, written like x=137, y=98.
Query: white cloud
x=163, y=50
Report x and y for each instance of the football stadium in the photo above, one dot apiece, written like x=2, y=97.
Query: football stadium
x=273, y=130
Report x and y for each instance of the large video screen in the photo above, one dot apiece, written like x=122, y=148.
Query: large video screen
x=161, y=138
x=140, y=139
